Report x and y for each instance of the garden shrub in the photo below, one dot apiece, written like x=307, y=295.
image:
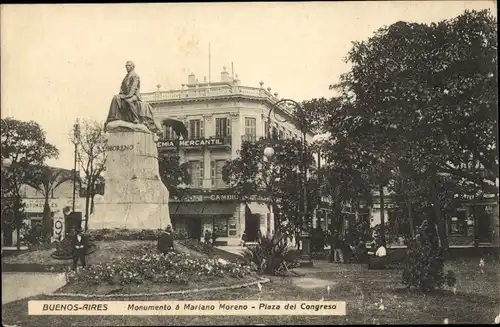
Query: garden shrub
x=130, y=235
x=271, y=255
x=32, y=235
x=158, y=268
x=424, y=262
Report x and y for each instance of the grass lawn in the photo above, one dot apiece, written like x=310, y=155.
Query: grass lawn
x=149, y=287
x=477, y=300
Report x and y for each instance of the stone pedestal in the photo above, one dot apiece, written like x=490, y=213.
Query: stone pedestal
x=134, y=195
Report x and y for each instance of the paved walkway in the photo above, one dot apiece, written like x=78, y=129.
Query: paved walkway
x=16, y=285
x=235, y=249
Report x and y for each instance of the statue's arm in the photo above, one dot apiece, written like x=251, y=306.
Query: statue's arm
x=133, y=87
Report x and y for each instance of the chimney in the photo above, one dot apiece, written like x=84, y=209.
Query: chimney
x=224, y=76
x=191, y=79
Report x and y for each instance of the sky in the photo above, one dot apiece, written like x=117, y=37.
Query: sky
x=63, y=62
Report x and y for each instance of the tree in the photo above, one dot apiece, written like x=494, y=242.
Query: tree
x=425, y=97
x=46, y=179
x=25, y=144
x=350, y=166
x=91, y=156
x=279, y=178
x=174, y=174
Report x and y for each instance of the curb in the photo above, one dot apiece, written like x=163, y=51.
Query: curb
x=196, y=290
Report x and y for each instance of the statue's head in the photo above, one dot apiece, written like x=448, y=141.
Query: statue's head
x=129, y=66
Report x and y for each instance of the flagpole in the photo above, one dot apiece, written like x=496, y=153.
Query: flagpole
x=209, y=64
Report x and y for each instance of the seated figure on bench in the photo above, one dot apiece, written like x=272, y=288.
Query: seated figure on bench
x=380, y=259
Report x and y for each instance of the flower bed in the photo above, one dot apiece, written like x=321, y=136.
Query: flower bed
x=130, y=235
x=155, y=268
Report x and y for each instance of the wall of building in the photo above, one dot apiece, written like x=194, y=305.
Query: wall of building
x=223, y=99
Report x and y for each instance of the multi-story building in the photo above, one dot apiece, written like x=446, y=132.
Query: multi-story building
x=473, y=221
x=219, y=116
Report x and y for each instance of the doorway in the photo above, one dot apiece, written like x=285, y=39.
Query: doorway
x=483, y=224
x=252, y=225
x=194, y=228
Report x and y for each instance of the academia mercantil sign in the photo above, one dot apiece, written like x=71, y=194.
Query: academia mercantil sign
x=165, y=144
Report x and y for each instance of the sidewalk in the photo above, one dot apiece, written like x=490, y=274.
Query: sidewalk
x=16, y=286
x=235, y=249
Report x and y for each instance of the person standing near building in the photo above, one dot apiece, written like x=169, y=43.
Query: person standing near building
x=337, y=255
x=244, y=238
x=207, y=237
x=79, y=244
x=166, y=241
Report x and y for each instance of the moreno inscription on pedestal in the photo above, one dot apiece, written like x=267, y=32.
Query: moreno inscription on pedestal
x=120, y=147
x=134, y=197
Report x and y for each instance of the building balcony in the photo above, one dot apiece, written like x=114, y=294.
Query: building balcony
x=203, y=91
x=249, y=138
x=195, y=143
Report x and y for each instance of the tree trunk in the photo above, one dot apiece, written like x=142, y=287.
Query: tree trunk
x=382, y=209
x=47, y=226
x=18, y=229
x=87, y=200
x=410, y=217
x=91, y=209
x=438, y=221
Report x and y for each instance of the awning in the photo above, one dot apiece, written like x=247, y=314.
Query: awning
x=258, y=208
x=219, y=208
x=190, y=209
x=172, y=208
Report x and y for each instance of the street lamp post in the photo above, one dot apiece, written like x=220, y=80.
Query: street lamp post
x=76, y=136
x=305, y=235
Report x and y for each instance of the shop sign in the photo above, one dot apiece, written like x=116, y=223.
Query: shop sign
x=36, y=205
x=165, y=144
x=218, y=198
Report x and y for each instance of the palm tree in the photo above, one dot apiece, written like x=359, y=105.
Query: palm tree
x=45, y=180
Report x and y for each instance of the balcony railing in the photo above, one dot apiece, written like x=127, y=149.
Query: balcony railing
x=248, y=138
x=213, y=91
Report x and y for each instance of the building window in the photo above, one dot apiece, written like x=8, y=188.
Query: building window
x=168, y=133
x=221, y=224
x=216, y=173
x=281, y=135
x=196, y=172
x=195, y=129
x=222, y=127
x=458, y=223
x=274, y=133
x=266, y=129
x=250, y=125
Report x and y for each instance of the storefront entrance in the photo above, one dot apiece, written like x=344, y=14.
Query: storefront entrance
x=252, y=225
x=482, y=217
x=194, y=228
